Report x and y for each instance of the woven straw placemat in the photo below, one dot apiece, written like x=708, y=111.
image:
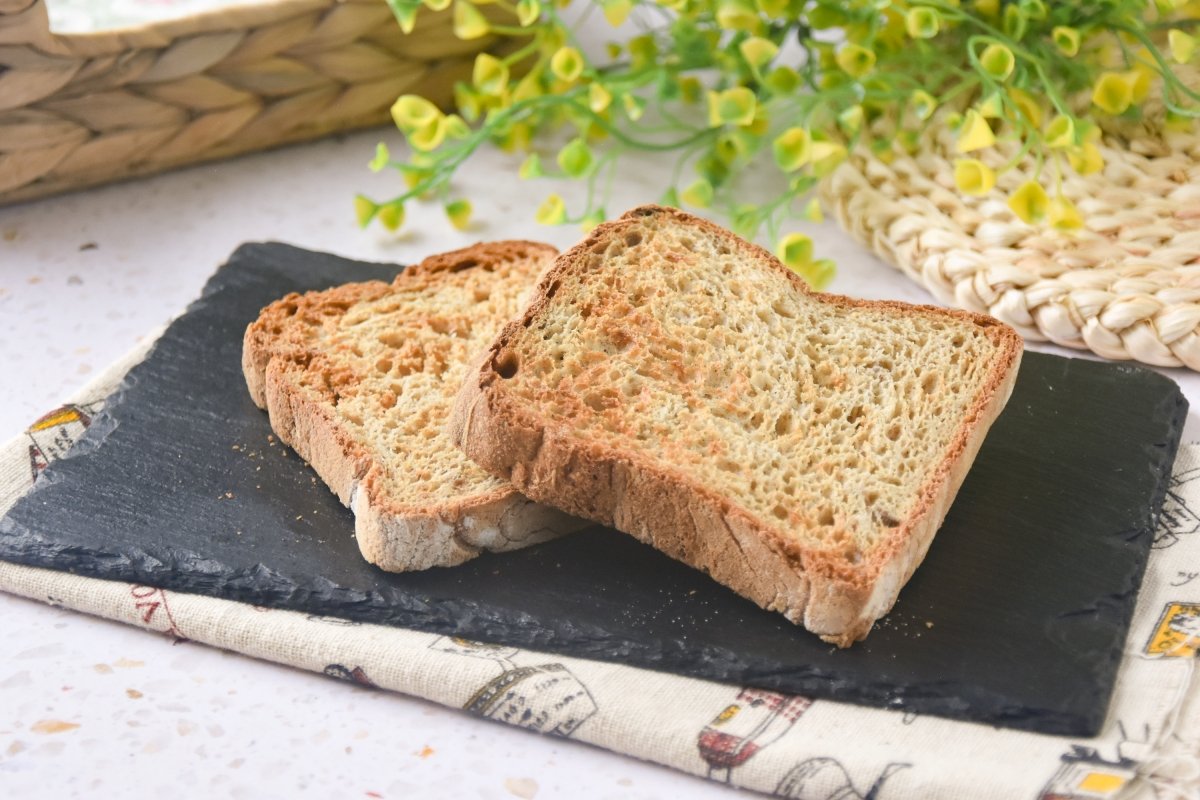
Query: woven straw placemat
x=83, y=109
x=1125, y=286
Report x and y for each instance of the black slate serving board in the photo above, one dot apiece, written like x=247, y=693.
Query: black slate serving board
x=1017, y=617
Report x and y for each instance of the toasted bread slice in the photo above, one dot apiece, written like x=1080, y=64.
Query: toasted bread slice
x=359, y=380
x=682, y=385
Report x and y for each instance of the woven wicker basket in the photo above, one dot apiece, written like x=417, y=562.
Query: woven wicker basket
x=1126, y=286
x=80, y=110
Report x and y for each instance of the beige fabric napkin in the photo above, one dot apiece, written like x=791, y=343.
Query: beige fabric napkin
x=788, y=745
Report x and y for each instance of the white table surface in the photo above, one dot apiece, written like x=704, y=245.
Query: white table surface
x=158, y=719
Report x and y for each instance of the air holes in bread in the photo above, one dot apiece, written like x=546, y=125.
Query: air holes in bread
x=505, y=364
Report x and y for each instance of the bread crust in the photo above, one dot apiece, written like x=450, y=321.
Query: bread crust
x=391, y=534
x=550, y=463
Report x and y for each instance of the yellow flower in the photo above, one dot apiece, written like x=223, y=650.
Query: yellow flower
x=1183, y=46
x=826, y=156
x=734, y=106
x=992, y=107
x=1060, y=133
x=1112, y=92
x=411, y=112
x=757, y=51
x=1029, y=202
x=567, y=64
x=998, y=61
x=812, y=211
x=490, y=74
x=528, y=12
x=1066, y=39
x=1029, y=107
x=364, y=210
x=616, y=11
x=634, y=106
x=552, y=211
x=975, y=133
x=469, y=23
x=973, y=177
x=923, y=104
x=459, y=213
x=855, y=60
x=793, y=149
x=1087, y=160
x=430, y=137
x=922, y=23
x=599, y=98
x=795, y=250
x=699, y=193
x=1062, y=214
x=391, y=215
x=738, y=15
x=1140, y=79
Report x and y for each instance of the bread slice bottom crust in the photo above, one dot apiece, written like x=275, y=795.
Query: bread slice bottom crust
x=545, y=460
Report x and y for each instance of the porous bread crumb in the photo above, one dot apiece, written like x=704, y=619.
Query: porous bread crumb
x=822, y=418
x=681, y=384
x=359, y=379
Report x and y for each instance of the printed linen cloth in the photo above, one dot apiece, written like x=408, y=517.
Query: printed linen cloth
x=788, y=745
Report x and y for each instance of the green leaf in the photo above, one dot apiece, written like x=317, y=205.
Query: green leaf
x=575, y=159
x=670, y=198
x=382, y=158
